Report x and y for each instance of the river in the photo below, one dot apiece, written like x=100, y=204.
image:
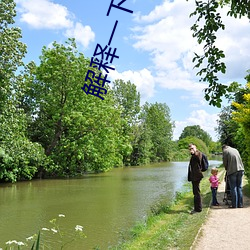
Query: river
x=104, y=204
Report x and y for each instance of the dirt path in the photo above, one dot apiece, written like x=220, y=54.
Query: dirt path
x=225, y=228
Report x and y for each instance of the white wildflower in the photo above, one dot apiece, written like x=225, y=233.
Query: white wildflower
x=61, y=215
x=29, y=238
x=45, y=229
x=54, y=230
x=10, y=242
x=20, y=243
x=78, y=228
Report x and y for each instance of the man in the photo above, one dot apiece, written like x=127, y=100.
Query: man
x=235, y=170
x=195, y=175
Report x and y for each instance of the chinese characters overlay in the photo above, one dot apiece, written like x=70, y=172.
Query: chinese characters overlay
x=102, y=59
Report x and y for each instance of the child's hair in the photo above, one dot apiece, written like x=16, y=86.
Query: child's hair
x=214, y=170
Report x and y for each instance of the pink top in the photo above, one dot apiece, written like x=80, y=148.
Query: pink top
x=214, y=181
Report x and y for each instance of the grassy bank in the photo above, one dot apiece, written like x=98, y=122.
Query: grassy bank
x=170, y=227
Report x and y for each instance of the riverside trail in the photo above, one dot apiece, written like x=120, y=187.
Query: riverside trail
x=225, y=228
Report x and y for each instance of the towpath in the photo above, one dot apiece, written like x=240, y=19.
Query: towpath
x=225, y=228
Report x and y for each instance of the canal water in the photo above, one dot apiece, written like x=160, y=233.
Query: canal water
x=106, y=204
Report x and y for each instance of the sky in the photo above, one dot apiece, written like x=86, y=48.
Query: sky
x=153, y=41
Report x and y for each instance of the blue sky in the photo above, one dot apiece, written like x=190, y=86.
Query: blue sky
x=154, y=45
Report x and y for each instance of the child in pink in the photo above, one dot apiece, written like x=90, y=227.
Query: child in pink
x=214, y=186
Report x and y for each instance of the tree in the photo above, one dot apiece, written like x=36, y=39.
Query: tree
x=20, y=158
x=227, y=127
x=208, y=23
x=128, y=98
x=229, y=130
x=79, y=132
x=157, y=121
x=12, y=50
x=233, y=123
x=183, y=144
x=128, y=101
x=142, y=145
x=196, y=131
x=242, y=117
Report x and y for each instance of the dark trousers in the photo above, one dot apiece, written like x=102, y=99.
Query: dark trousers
x=214, y=196
x=197, y=196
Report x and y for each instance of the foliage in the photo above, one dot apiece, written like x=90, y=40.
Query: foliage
x=54, y=237
x=142, y=145
x=233, y=123
x=127, y=98
x=156, y=120
x=227, y=127
x=181, y=154
x=196, y=131
x=79, y=133
x=205, y=28
x=201, y=146
x=50, y=127
x=12, y=50
x=215, y=148
x=20, y=157
x=241, y=115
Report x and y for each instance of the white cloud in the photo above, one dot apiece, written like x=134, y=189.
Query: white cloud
x=143, y=80
x=44, y=14
x=160, y=11
x=234, y=41
x=83, y=34
x=208, y=122
x=170, y=43
x=165, y=33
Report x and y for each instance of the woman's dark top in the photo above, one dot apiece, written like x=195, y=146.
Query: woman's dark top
x=194, y=169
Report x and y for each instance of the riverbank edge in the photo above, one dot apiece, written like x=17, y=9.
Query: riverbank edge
x=171, y=226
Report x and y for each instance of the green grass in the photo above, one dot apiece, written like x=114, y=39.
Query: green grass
x=246, y=188
x=170, y=226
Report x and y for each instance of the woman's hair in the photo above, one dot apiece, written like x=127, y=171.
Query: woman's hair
x=214, y=170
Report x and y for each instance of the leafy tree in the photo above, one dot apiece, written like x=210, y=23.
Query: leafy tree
x=215, y=147
x=128, y=101
x=12, y=50
x=232, y=123
x=196, y=131
x=128, y=98
x=227, y=127
x=208, y=23
x=156, y=120
x=241, y=116
x=142, y=145
x=179, y=154
x=183, y=144
x=19, y=157
x=79, y=132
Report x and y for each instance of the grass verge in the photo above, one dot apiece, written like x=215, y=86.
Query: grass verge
x=170, y=226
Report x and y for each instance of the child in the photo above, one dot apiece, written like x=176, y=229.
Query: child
x=214, y=185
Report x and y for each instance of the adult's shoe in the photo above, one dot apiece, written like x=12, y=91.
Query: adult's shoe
x=194, y=212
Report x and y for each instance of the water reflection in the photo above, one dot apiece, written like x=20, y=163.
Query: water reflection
x=105, y=204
